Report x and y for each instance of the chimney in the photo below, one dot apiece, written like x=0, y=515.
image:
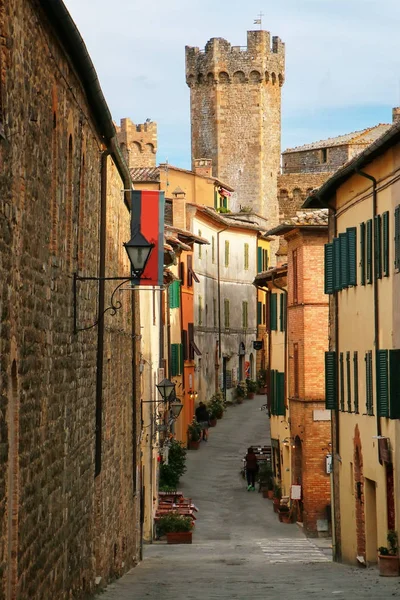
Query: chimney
x=396, y=114
x=203, y=166
x=179, y=208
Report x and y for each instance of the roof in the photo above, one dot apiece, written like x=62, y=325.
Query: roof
x=320, y=198
x=237, y=220
x=74, y=46
x=185, y=234
x=314, y=219
x=270, y=274
x=145, y=174
x=363, y=137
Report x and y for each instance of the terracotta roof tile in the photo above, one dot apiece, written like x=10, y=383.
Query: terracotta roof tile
x=145, y=174
x=363, y=137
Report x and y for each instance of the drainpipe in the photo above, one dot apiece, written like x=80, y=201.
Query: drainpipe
x=375, y=283
x=100, y=328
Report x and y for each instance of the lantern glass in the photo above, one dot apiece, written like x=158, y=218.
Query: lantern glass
x=176, y=409
x=166, y=389
x=138, y=250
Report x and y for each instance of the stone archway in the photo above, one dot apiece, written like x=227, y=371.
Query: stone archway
x=359, y=494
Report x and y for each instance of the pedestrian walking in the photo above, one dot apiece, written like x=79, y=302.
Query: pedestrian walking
x=203, y=418
x=251, y=469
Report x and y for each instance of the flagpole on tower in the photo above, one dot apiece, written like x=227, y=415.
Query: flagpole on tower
x=258, y=21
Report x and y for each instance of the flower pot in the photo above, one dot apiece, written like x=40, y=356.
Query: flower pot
x=262, y=390
x=270, y=494
x=179, y=537
x=250, y=395
x=239, y=400
x=284, y=516
x=194, y=445
x=388, y=565
x=213, y=422
x=265, y=493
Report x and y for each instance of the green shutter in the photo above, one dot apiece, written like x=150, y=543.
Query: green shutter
x=382, y=383
x=385, y=243
x=174, y=292
x=244, y=315
x=246, y=256
x=362, y=252
x=378, y=246
x=341, y=373
x=259, y=259
x=280, y=389
x=330, y=381
x=259, y=313
x=329, y=283
x=368, y=383
x=226, y=253
x=394, y=364
x=226, y=313
x=344, y=261
x=397, y=237
x=355, y=378
x=336, y=265
x=352, y=254
x=348, y=376
x=272, y=392
x=273, y=317
x=369, y=251
x=175, y=359
x=282, y=312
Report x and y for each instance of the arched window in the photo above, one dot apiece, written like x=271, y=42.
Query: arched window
x=223, y=77
x=239, y=77
x=255, y=77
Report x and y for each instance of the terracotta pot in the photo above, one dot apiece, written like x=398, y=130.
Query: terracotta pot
x=213, y=422
x=265, y=493
x=250, y=395
x=194, y=445
x=285, y=516
x=388, y=566
x=262, y=390
x=179, y=537
x=239, y=400
x=270, y=494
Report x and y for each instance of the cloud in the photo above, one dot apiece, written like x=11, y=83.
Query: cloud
x=341, y=57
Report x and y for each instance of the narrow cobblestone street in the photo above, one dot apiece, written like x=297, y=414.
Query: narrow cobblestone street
x=240, y=550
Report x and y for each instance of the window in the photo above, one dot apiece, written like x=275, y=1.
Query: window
x=369, y=251
x=174, y=294
x=226, y=253
x=368, y=383
x=295, y=277
x=382, y=383
x=330, y=381
x=385, y=243
x=182, y=272
x=192, y=345
x=245, y=319
x=344, y=261
x=348, y=374
x=329, y=288
x=265, y=259
x=341, y=371
x=273, y=299
x=355, y=381
x=296, y=370
x=213, y=249
x=200, y=245
x=394, y=380
x=176, y=359
x=378, y=246
x=200, y=309
x=185, y=345
x=246, y=257
x=277, y=393
x=259, y=313
x=397, y=238
x=362, y=253
x=259, y=259
x=324, y=156
x=341, y=262
x=226, y=313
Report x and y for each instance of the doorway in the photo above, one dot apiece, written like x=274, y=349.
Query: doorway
x=371, y=521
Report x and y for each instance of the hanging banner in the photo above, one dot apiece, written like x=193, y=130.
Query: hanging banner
x=148, y=208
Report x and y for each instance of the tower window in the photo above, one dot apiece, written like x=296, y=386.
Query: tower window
x=324, y=156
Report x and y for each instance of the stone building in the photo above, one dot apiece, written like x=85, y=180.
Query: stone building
x=307, y=167
x=235, y=102
x=138, y=143
x=69, y=509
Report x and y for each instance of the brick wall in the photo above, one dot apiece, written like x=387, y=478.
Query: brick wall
x=307, y=342
x=59, y=527
x=235, y=96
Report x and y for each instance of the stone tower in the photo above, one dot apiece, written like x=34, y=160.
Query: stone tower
x=138, y=143
x=235, y=98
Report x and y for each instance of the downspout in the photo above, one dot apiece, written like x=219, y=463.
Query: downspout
x=100, y=328
x=376, y=294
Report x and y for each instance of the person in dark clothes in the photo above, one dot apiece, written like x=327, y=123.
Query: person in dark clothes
x=203, y=418
x=251, y=469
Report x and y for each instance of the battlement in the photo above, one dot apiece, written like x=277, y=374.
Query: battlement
x=220, y=62
x=138, y=142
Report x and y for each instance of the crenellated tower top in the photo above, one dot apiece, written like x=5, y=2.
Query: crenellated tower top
x=138, y=142
x=220, y=62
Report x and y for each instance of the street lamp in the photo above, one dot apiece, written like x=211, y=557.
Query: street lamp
x=176, y=409
x=138, y=250
x=166, y=389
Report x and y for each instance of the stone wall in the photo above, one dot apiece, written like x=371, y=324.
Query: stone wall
x=60, y=528
x=235, y=96
x=293, y=190
x=318, y=160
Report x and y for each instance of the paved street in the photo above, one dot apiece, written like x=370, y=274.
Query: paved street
x=240, y=550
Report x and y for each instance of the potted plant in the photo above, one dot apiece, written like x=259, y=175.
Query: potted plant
x=262, y=381
x=241, y=391
x=265, y=478
x=217, y=405
x=277, y=497
x=176, y=527
x=389, y=556
x=194, y=434
x=251, y=388
x=284, y=513
x=212, y=413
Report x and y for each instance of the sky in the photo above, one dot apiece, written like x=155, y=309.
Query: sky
x=342, y=61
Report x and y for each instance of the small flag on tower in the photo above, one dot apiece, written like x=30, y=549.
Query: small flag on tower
x=257, y=21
